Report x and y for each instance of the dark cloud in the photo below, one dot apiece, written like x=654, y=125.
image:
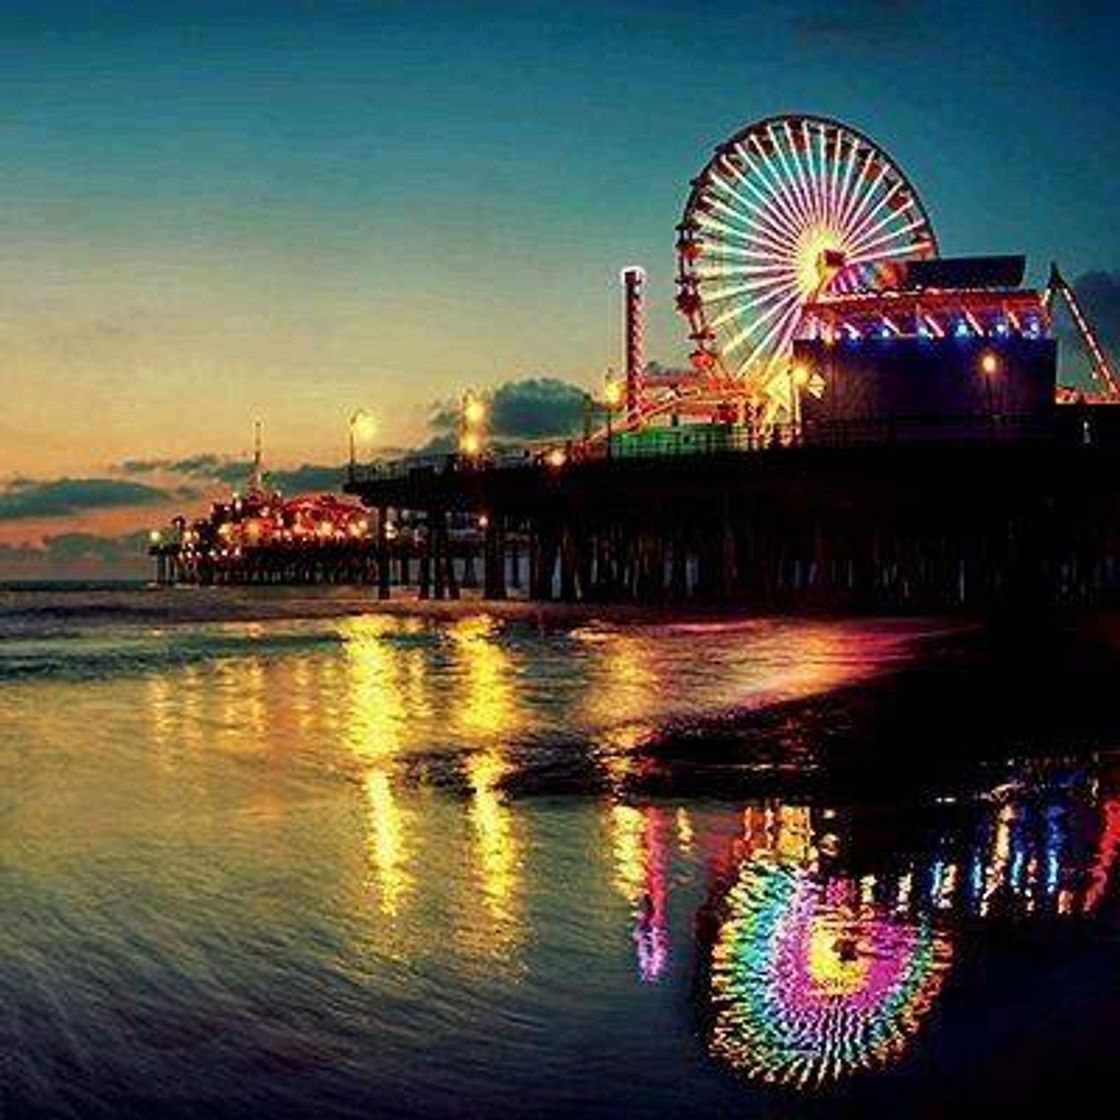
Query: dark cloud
x=197, y=466
x=68, y=549
x=856, y=23
x=208, y=467
x=532, y=408
x=442, y=443
x=536, y=407
x=308, y=477
x=24, y=498
x=233, y=472
x=77, y=554
x=19, y=554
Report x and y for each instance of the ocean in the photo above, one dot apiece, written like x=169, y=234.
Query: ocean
x=282, y=854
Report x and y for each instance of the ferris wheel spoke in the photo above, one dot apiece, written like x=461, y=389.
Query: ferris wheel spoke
x=724, y=208
x=777, y=204
x=781, y=195
x=712, y=200
x=866, y=198
x=788, y=303
x=714, y=179
x=859, y=186
x=763, y=199
x=876, y=255
x=779, y=329
x=884, y=231
x=780, y=236
x=805, y=173
x=792, y=171
x=756, y=234
x=812, y=172
x=848, y=185
x=782, y=176
x=756, y=302
x=795, y=172
x=748, y=326
x=747, y=288
x=833, y=165
x=753, y=274
x=738, y=235
x=860, y=227
x=821, y=172
x=723, y=247
x=760, y=238
x=887, y=238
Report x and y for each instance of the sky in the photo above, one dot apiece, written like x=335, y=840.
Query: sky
x=214, y=211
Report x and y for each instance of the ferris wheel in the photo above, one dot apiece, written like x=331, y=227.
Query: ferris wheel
x=789, y=208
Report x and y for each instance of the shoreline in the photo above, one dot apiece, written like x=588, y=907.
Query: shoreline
x=147, y=604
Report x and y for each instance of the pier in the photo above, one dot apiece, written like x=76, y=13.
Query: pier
x=864, y=525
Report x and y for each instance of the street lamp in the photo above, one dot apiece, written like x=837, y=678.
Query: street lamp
x=474, y=411
x=472, y=417
x=362, y=426
x=989, y=369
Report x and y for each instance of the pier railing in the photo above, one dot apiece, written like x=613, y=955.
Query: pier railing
x=695, y=440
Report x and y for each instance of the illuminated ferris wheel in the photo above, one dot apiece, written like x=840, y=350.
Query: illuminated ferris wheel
x=788, y=209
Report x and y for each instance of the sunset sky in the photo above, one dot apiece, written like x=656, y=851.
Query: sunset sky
x=218, y=210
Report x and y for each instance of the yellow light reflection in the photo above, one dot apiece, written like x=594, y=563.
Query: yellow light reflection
x=161, y=711
x=486, y=711
x=385, y=841
x=376, y=711
x=374, y=735
x=628, y=830
x=496, y=856
x=486, y=704
x=623, y=684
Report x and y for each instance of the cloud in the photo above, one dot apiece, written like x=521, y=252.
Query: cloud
x=536, y=407
x=531, y=408
x=197, y=466
x=208, y=467
x=308, y=477
x=24, y=498
x=857, y=23
x=77, y=555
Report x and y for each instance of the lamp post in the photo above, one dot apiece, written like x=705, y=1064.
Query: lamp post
x=989, y=370
x=472, y=418
x=361, y=424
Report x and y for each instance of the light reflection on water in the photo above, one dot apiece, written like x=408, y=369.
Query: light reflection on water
x=317, y=858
